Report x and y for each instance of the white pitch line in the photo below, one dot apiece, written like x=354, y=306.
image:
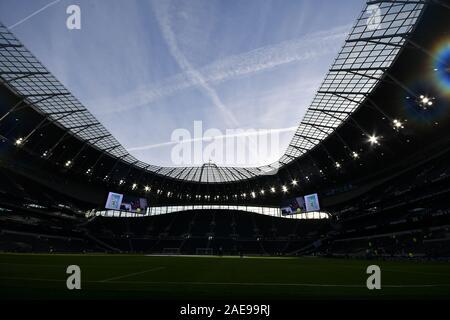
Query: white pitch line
x=235, y=283
x=400, y=271
x=243, y=284
x=418, y=272
x=32, y=279
x=131, y=274
x=280, y=284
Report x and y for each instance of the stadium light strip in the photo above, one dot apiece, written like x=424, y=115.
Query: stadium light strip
x=155, y=211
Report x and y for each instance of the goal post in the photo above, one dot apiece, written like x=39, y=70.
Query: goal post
x=204, y=251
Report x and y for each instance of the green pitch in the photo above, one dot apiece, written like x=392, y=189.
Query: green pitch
x=39, y=276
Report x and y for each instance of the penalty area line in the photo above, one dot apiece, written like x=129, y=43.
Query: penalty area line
x=131, y=274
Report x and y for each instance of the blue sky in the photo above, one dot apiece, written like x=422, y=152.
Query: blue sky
x=145, y=68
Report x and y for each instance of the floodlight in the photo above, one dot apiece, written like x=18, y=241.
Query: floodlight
x=373, y=139
x=19, y=142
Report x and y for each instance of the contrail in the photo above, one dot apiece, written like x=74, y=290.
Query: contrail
x=185, y=65
x=235, y=66
x=224, y=136
x=192, y=73
x=33, y=14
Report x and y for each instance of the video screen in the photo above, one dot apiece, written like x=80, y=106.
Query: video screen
x=114, y=201
x=299, y=205
x=293, y=206
x=312, y=202
x=133, y=204
x=117, y=201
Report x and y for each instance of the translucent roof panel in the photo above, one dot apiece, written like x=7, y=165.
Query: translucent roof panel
x=369, y=50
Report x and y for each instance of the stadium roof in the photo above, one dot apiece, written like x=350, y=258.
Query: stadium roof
x=370, y=49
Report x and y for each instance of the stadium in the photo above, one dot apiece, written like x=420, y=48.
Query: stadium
x=365, y=180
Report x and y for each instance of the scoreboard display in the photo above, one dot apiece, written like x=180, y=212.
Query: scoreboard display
x=117, y=201
x=302, y=204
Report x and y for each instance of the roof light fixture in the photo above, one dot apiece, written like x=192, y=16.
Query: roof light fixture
x=425, y=101
x=373, y=139
x=397, y=124
x=19, y=142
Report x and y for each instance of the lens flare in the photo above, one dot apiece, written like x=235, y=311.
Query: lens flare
x=442, y=67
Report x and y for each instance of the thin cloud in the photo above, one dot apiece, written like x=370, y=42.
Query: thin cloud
x=216, y=137
x=194, y=75
x=255, y=61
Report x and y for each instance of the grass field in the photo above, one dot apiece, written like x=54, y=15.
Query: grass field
x=39, y=276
